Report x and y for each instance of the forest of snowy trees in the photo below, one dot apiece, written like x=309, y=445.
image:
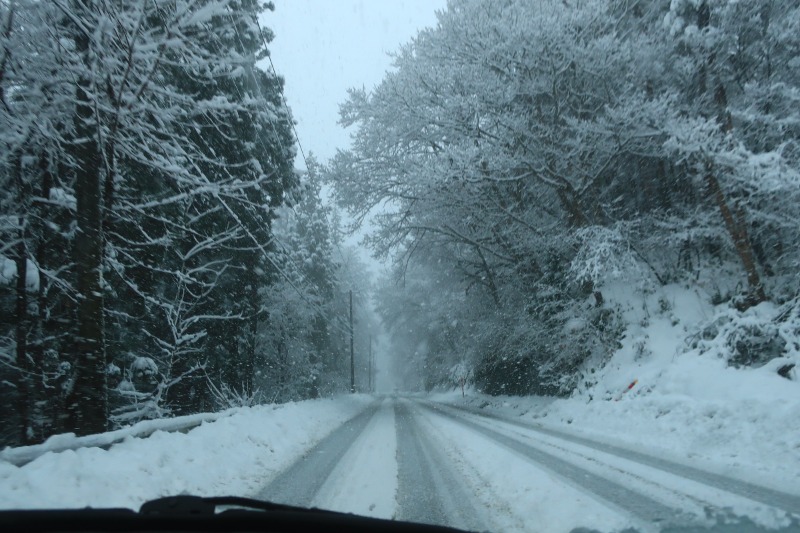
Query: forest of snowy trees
x=159, y=254
x=522, y=155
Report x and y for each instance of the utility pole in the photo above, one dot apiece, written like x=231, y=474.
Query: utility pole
x=352, y=356
x=370, y=363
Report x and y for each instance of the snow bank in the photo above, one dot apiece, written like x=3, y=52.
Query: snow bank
x=237, y=454
x=686, y=403
x=68, y=441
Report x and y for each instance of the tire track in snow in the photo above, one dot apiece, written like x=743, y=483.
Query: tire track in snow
x=774, y=498
x=365, y=480
x=639, y=505
x=428, y=491
x=516, y=494
x=674, y=491
x=299, y=484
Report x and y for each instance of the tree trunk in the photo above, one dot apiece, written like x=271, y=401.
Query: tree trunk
x=735, y=223
x=21, y=337
x=42, y=404
x=21, y=310
x=737, y=229
x=250, y=366
x=87, y=402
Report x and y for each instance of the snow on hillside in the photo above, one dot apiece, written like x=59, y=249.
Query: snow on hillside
x=686, y=403
x=236, y=455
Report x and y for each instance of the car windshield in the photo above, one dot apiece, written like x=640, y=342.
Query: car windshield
x=499, y=265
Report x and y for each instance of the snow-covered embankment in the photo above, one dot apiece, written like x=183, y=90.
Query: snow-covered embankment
x=235, y=455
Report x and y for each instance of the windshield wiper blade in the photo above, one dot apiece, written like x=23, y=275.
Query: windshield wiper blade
x=198, y=505
x=201, y=515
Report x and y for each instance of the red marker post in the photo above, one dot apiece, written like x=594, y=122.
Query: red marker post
x=629, y=387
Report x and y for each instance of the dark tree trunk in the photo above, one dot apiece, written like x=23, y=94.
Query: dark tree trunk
x=318, y=345
x=41, y=404
x=250, y=366
x=87, y=402
x=735, y=222
x=283, y=351
x=23, y=363
x=736, y=226
x=21, y=311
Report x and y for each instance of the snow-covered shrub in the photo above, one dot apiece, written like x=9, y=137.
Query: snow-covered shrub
x=460, y=372
x=138, y=395
x=603, y=254
x=143, y=374
x=226, y=397
x=114, y=375
x=129, y=407
x=754, y=345
x=750, y=338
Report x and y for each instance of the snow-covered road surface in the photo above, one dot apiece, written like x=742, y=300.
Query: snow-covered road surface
x=750, y=491
x=322, y=474
x=409, y=459
x=430, y=490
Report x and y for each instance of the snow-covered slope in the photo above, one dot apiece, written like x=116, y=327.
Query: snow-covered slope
x=235, y=455
x=670, y=390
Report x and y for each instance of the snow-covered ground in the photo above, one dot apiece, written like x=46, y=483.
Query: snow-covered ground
x=686, y=403
x=235, y=455
x=391, y=458
x=365, y=480
x=526, y=497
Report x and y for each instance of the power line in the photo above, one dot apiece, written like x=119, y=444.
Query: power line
x=283, y=94
x=273, y=239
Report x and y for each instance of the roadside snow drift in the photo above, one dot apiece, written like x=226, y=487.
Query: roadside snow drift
x=235, y=455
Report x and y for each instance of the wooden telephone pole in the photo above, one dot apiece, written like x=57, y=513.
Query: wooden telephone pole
x=370, y=363
x=352, y=356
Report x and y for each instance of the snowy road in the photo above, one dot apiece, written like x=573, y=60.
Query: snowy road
x=300, y=483
x=421, y=461
x=782, y=500
x=430, y=490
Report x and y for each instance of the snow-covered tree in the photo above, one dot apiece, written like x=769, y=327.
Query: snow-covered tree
x=141, y=139
x=539, y=149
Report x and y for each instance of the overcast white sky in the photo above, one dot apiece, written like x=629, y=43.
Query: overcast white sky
x=324, y=47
